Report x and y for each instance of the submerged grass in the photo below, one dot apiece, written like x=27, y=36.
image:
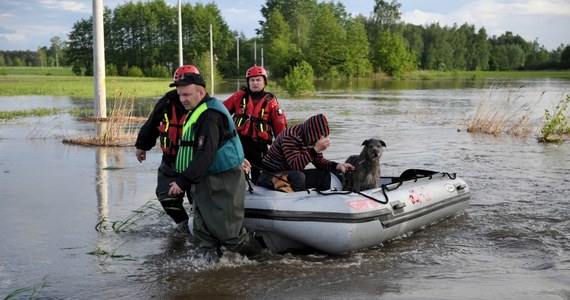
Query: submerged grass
x=104, y=254
x=38, y=112
x=28, y=292
x=148, y=209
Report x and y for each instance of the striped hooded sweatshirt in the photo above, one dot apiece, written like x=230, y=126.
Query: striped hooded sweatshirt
x=293, y=149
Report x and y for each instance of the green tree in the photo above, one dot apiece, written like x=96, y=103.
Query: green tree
x=299, y=81
x=196, y=34
x=42, y=56
x=279, y=50
x=79, y=50
x=297, y=14
x=327, y=50
x=392, y=56
x=438, y=53
x=56, y=49
x=565, y=58
x=385, y=16
x=357, y=63
x=478, y=54
x=413, y=35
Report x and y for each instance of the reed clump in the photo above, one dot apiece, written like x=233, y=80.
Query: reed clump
x=117, y=130
x=503, y=117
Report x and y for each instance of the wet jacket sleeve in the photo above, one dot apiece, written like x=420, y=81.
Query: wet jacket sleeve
x=149, y=132
x=210, y=127
x=277, y=117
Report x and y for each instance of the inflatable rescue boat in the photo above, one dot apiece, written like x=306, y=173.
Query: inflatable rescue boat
x=336, y=221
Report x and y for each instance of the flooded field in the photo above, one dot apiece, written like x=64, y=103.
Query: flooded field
x=513, y=242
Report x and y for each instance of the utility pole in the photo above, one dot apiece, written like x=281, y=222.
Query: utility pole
x=180, y=33
x=211, y=61
x=100, y=98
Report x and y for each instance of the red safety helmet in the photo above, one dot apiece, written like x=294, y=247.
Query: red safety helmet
x=183, y=70
x=256, y=71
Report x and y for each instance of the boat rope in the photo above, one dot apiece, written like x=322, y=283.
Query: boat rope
x=417, y=174
x=250, y=188
x=359, y=193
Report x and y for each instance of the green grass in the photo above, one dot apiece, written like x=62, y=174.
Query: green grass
x=38, y=112
x=80, y=87
x=56, y=71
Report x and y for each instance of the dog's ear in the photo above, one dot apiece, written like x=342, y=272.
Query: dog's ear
x=382, y=143
x=365, y=143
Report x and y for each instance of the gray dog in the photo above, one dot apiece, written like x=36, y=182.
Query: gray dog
x=367, y=167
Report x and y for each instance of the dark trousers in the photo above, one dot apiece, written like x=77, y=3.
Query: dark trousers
x=254, y=151
x=172, y=205
x=299, y=180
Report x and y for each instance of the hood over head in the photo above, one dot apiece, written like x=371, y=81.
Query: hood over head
x=314, y=128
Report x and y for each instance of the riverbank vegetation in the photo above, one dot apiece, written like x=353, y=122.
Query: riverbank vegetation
x=555, y=128
x=28, y=81
x=505, y=116
x=333, y=42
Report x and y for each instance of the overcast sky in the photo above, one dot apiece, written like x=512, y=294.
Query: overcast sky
x=29, y=24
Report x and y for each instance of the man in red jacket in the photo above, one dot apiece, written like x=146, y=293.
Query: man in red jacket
x=257, y=116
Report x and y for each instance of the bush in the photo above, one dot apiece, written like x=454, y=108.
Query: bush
x=76, y=69
x=111, y=70
x=158, y=71
x=556, y=124
x=135, y=71
x=299, y=81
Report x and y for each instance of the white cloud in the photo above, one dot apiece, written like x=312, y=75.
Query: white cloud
x=75, y=6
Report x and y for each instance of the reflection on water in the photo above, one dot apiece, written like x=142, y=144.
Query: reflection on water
x=513, y=242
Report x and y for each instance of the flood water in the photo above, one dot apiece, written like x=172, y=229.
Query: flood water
x=512, y=242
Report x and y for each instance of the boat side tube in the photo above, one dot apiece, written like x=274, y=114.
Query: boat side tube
x=341, y=222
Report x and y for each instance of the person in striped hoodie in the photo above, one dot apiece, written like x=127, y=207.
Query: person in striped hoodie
x=294, y=149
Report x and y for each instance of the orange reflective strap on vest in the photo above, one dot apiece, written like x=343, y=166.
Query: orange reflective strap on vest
x=170, y=131
x=253, y=120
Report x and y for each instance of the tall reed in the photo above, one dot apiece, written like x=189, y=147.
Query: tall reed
x=119, y=129
x=503, y=116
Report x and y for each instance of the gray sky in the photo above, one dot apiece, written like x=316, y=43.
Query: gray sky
x=29, y=24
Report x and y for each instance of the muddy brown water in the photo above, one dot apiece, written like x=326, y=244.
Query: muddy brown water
x=513, y=241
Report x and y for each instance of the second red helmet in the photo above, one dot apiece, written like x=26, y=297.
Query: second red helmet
x=256, y=71
x=183, y=70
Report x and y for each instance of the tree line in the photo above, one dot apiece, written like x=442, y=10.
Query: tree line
x=141, y=39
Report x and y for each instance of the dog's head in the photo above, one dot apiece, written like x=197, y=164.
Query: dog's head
x=373, y=148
